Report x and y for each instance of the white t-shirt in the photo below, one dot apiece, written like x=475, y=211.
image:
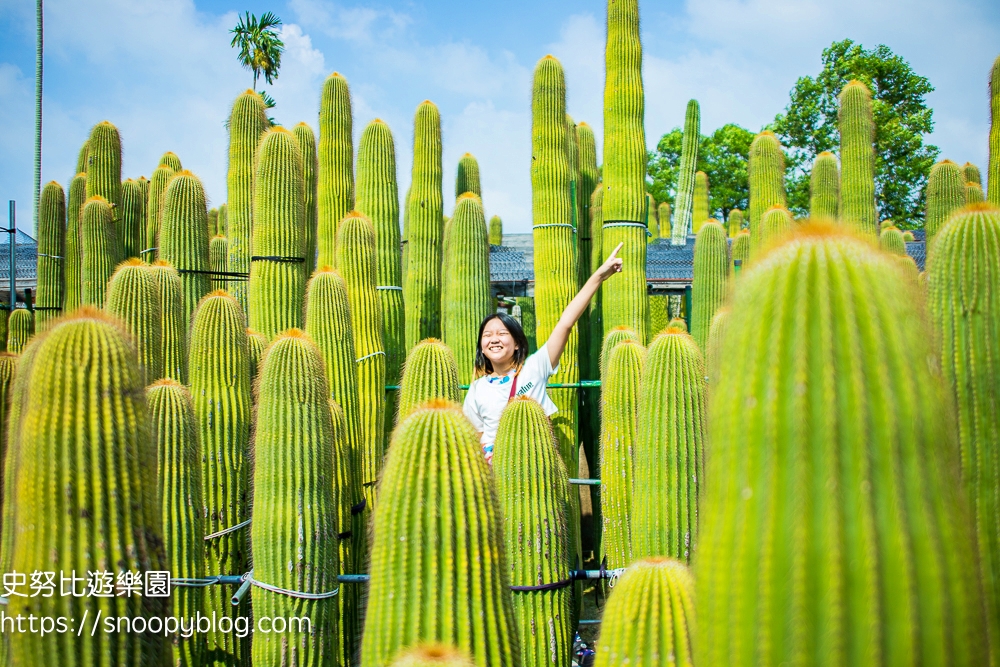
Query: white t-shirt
x=486, y=400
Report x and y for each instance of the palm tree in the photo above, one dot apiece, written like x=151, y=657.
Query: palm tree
x=260, y=48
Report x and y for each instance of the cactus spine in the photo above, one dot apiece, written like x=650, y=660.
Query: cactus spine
x=775, y=224
x=496, y=230
x=134, y=298
x=891, y=241
x=51, y=253
x=220, y=386
x=945, y=194
x=766, y=174
x=467, y=179
x=277, y=268
x=218, y=258
x=20, y=329
x=993, y=167
x=430, y=372
x=184, y=237
x=735, y=224
x=247, y=122
x=466, y=295
x=171, y=160
x=669, y=461
x=649, y=615
x=888, y=444
x=623, y=364
x=97, y=260
x=154, y=211
x=533, y=493
x=178, y=457
x=104, y=167
x=133, y=217
x=294, y=531
x=307, y=150
x=74, y=222
x=711, y=268
x=974, y=193
x=424, y=230
x=336, y=164
x=436, y=485
x=173, y=321
x=701, y=201
x=965, y=310
x=857, y=155
x=824, y=187
x=107, y=515
x=686, y=174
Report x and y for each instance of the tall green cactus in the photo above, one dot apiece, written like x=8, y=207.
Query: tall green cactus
x=857, y=157
x=711, y=269
x=972, y=174
x=652, y=222
x=336, y=165
x=595, y=315
x=223, y=223
x=134, y=298
x=213, y=223
x=82, y=157
x=588, y=179
x=133, y=217
x=615, y=336
x=776, y=222
x=974, y=193
x=669, y=461
x=945, y=194
x=533, y=490
x=861, y=442
x=247, y=122
x=218, y=260
x=173, y=321
x=97, y=258
x=663, y=219
x=154, y=212
x=766, y=174
x=356, y=263
x=891, y=241
x=467, y=179
x=277, y=267
x=20, y=329
x=219, y=370
x=378, y=199
x=965, y=310
x=178, y=465
x=307, y=150
x=74, y=221
x=184, y=237
x=526, y=310
x=171, y=160
x=104, y=166
x=294, y=531
x=256, y=344
x=623, y=364
x=701, y=201
x=424, y=230
x=713, y=349
x=51, y=254
x=735, y=223
x=432, y=655
x=684, y=201
x=466, y=298
x=106, y=516
x=824, y=186
x=993, y=167
x=649, y=615
x=437, y=486
x=430, y=372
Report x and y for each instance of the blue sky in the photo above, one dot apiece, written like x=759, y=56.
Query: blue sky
x=163, y=72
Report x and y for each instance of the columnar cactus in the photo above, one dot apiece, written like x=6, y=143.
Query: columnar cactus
x=776, y=222
x=735, y=223
x=97, y=259
x=356, y=263
x=824, y=187
x=307, y=150
x=889, y=442
x=13, y=405
x=891, y=241
x=219, y=370
x=467, y=179
x=993, y=168
x=649, y=615
x=663, y=219
x=107, y=517
x=294, y=531
x=714, y=347
x=51, y=253
x=134, y=298
x=436, y=485
x=466, y=298
x=766, y=173
x=277, y=267
x=74, y=220
x=533, y=493
x=178, y=465
x=588, y=179
x=133, y=217
x=171, y=160
x=223, y=223
x=652, y=223
x=247, y=122
x=857, y=156
x=256, y=344
x=908, y=237
x=974, y=193
x=213, y=222
x=658, y=315
x=945, y=194
x=8, y=369
x=82, y=157
x=972, y=174
x=701, y=201
x=104, y=166
x=173, y=321
x=184, y=237
x=526, y=308
x=619, y=401
x=573, y=160
x=336, y=165
x=669, y=461
x=218, y=260
x=154, y=212
x=684, y=202
x=965, y=310
x=615, y=336
x=432, y=655
x=711, y=269
x=20, y=329
x=424, y=230
x=596, y=335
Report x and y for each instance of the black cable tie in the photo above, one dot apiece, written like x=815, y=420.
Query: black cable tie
x=46, y=308
x=344, y=535
x=543, y=587
x=359, y=507
x=371, y=483
x=274, y=258
x=225, y=274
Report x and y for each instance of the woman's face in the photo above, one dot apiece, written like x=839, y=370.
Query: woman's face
x=497, y=344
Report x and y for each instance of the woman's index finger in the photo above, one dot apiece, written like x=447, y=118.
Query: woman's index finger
x=615, y=251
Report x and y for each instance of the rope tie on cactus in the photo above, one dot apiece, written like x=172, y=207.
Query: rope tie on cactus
x=42, y=254
x=359, y=507
x=542, y=587
x=555, y=224
x=194, y=582
x=225, y=275
x=627, y=223
x=226, y=531
x=277, y=258
x=389, y=287
x=284, y=591
x=148, y=250
x=47, y=308
x=376, y=352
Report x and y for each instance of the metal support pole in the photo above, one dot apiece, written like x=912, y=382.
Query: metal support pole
x=12, y=231
x=687, y=306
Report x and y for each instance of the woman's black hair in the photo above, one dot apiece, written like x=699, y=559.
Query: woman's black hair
x=483, y=365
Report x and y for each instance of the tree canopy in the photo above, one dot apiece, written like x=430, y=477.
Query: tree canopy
x=808, y=127
x=259, y=44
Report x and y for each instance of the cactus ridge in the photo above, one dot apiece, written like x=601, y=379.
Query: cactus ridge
x=336, y=165
x=51, y=254
x=686, y=174
x=20, y=329
x=766, y=174
x=945, y=194
x=97, y=256
x=437, y=547
x=184, y=237
x=857, y=157
x=173, y=321
x=824, y=186
x=711, y=269
x=134, y=298
x=306, y=141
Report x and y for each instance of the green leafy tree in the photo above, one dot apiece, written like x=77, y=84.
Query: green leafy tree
x=722, y=155
x=260, y=47
x=808, y=127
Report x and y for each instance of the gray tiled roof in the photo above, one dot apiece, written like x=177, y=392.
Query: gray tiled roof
x=917, y=251
x=25, y=263
x=670, y=262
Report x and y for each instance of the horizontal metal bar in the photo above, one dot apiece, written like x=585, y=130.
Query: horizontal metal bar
x=589, y=621
x=392, y=387
x=584, y=482
x=582, y=384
